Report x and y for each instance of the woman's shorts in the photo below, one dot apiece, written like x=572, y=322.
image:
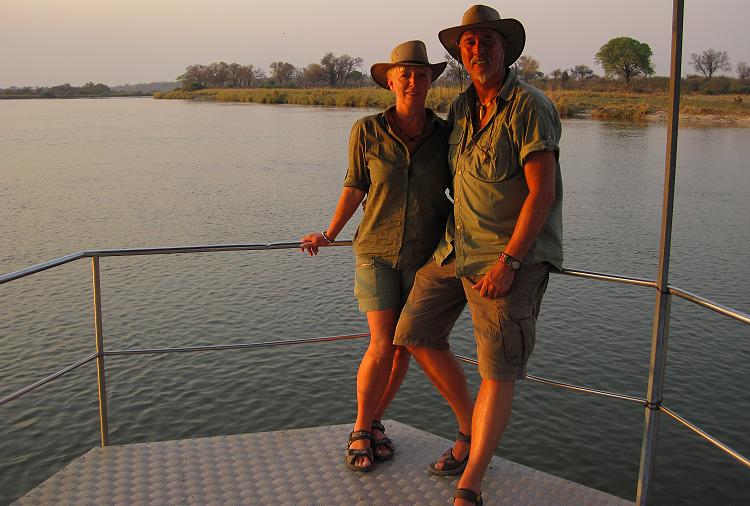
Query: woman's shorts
x=378, y=286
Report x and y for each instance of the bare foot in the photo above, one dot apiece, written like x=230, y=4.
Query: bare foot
x=361, y=444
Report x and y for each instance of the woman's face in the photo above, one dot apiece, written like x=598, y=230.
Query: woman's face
x=410, y=84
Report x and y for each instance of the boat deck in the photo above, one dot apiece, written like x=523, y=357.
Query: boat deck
x=294, y=467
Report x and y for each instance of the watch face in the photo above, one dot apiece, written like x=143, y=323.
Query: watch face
x=515, y=265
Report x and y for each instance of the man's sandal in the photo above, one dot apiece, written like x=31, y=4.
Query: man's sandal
x=383, y=447
x=469, y=495
x=451, y=465
x=351, y=455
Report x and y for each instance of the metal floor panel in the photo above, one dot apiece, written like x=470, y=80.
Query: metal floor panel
x=291, y=467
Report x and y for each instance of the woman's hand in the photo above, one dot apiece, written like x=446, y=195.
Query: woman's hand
x=311, y=242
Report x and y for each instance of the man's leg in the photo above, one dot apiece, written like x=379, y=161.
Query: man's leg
x=435, y=303
x=490, y=417
x=447, y=374
x=505, y=331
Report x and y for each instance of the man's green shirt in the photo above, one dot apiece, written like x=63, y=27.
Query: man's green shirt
x=407, y=207
x=489, y=185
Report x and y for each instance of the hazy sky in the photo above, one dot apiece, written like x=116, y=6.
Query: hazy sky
x=46, y=42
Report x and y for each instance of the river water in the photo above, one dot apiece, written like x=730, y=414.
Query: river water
x=83, y=174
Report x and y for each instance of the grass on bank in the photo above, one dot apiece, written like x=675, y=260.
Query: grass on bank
x=570, y=103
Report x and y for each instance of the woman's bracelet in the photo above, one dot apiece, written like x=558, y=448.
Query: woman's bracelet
x=326, y=238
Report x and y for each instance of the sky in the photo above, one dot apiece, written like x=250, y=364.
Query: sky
x=49, y=42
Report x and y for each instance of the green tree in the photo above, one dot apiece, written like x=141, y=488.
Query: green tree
x=338, y=69
x=626, y=58
x=709, y=61
x=283, y=73
x=581, y=72
x=528, y=68
x=313, y=75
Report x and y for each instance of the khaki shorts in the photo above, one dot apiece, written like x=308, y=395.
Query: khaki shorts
x=504, y=328
x=378, y=286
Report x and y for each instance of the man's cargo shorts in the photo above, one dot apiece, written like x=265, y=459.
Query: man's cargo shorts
x=504, y=328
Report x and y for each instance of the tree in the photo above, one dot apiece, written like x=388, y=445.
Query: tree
x=528, y=68
x=709, y=61
x=313, y=75
x=283, y=73
x=339, y=68
x=743, y=71
x=581, y=72
x=455, y=72
x=198, y=74
x=218, y=74
x=626, y=58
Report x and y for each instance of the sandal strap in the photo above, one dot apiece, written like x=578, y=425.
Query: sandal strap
x=450, y=461
x=360, y=452
x=383, y=441
x=468, y=495
x=359, y=434
x=376, y=425
x=460, y=436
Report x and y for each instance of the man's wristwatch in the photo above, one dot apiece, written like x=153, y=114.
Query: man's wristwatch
x=512, y=262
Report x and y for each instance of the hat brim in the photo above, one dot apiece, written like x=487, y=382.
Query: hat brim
x=379, y=71
x=511, y=29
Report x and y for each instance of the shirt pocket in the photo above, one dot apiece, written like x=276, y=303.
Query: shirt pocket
x=454, y=146
x=494, y=161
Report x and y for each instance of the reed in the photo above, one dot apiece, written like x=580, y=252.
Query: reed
x=569, y=103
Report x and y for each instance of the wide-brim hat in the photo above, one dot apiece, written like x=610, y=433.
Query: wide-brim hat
x=481, y=16
x=412, y=53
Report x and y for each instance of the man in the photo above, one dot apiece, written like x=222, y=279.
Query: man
x=500, y=243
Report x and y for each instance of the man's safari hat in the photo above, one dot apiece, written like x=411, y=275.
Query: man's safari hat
x=411, y=53
x=481, y=16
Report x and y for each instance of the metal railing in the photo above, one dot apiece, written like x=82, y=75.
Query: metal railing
x=653, y=402
x=101, y=352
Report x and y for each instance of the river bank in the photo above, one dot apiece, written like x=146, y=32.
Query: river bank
x=729, y=109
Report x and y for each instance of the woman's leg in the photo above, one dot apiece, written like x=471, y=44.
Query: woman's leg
x=374, y=372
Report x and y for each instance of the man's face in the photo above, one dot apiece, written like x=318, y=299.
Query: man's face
x=483, y=54
x=410, y=84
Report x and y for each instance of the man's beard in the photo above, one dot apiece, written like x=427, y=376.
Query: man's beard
x=483, y=76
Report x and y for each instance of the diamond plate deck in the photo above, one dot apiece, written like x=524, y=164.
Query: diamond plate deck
x=291, y=467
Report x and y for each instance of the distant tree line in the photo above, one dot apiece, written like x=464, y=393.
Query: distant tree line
x=332, y=71
x=88, y=90
x=625, y=61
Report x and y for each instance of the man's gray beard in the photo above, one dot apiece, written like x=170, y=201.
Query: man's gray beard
x=482, y=78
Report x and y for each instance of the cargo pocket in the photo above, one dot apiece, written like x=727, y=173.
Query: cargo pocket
x=519, y=335
x=365, y=279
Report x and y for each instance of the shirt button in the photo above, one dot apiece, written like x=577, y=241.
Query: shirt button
x=458, y=227
x=459, y=172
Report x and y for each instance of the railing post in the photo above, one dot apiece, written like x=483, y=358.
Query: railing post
x=101, y=383
x=660, y=328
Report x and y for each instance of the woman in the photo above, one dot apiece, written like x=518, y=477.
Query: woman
x=398, y=160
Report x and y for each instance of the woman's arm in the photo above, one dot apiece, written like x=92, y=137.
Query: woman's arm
x=348, y=202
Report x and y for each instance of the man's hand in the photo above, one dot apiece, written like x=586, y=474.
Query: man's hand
x=496, y=282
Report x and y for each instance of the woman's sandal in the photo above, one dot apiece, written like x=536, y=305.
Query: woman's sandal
x=383, y=448
x=469, y=495
x=451, y=465
x=351, y=455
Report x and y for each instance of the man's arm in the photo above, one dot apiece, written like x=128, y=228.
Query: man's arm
x=539, y=169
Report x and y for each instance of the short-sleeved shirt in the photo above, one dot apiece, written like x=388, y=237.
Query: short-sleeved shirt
x=407, y=206
x=489, y=185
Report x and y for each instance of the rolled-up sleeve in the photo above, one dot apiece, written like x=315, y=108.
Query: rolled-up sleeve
x=539, y=129
x=358, y=174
